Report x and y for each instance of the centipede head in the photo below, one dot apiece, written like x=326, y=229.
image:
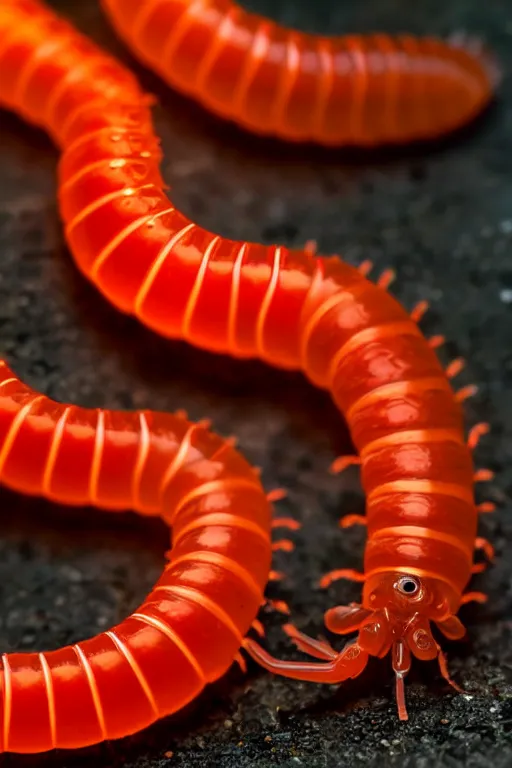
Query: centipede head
x=396, y=616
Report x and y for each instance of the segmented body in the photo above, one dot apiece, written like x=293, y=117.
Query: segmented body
x=345, y=90
x=189, y=628
x=287, y=307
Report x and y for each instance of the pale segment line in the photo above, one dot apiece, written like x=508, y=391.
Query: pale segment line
x=234, y=294
x=213, y=486
x=199, y=598
x=7, y=381
x=111, y=162
x=142, y=455
x=222, y=519
x=7, y=689
x=123, y=234
x=103, y=200
x=254, y=56
x=369, y=335
x=15, y=427
x=117, y=133
x=84, y=662
x=288, y=79
x=177, y=462
x=51, y=698
x=58, y=432
x=132, y=663
x=155, y=268
x=162, y=627
x=398, y=388
x=360, y=82
x=325, y=83
x=342, y=296
x=84, y=65
x=420, y=532
x=99, y=445
x=267, y=301
x=37, y=56
x=222, y=561
x=422, y=486
x=413, y=436
x=178, y=31
x=196, y=288
x=88, y=106
x=214, y=46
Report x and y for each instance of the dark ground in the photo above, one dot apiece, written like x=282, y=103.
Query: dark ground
x=441, y=215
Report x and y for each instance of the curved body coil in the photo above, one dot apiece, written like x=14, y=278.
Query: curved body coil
x=189, y=628
x=287, y=307
x=345, y=90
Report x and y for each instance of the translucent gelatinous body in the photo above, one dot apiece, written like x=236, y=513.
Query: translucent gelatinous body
x=189, y=628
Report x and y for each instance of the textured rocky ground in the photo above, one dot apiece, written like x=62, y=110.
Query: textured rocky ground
x=443, y=217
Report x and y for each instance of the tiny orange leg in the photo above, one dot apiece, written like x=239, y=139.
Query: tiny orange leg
x=343, y=573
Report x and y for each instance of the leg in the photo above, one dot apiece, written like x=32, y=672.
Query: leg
x=401, y=662
x=344, y=619
x=276, y=576
x=349, y=520
x=349, y=663
x=454, y=368
x=443, y=666
x=452, y=628
x=466, y=392
x=286, y=522
x=386, y=279
x=258, y=627
x=343, y=573
x=283, y=545
x=318, y=648
x=342, y=462
x=483, y=475
x=485, y=546
x=418, y=311
x=486, y=507
x=475, y=433
x=276, y=495
x=365, y=267
x=278, y=605
x=436, y=341
x=474, y=597
x=229, y=442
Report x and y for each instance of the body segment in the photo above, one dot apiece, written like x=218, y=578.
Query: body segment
x=188, y=630
x=345, y=90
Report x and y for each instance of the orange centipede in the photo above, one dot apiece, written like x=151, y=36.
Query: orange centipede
x=290, y=308
x=344, y=90
x=161, y=656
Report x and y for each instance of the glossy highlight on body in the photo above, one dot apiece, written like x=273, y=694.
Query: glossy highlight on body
x=345, y=90
x=290, y=308
x=161, y=656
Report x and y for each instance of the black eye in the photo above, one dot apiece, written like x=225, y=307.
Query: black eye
x=408, y=586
